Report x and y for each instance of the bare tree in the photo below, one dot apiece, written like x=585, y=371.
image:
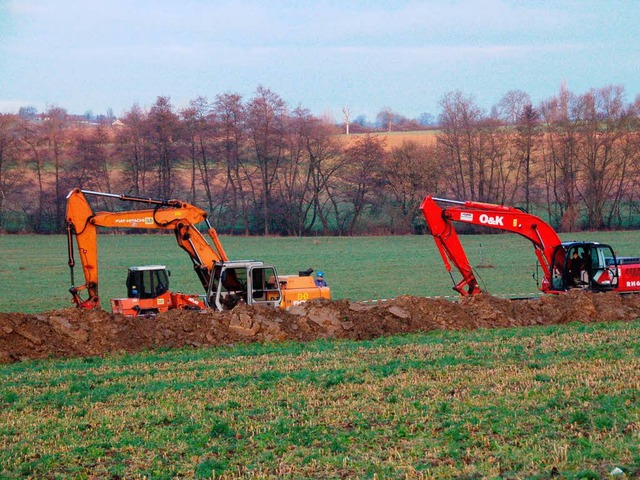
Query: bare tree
x=602, y=117
x=163, y=133
x=411, y=171
x=34, y=152
x=512, y=105
x=493, y=175
x=559, y=159
x=133, y=149
x=294, y=179
x=526, y=139
x=197, y=131
x=305, y=173
x=54, y=130
x=229, y=122
x=89, y=165
x=425, y=119
x=9, y=157
x=267, y=114
x=363, y=175
x=387, y=118
x=459, y=123
x=325, y=163
x=28, y=112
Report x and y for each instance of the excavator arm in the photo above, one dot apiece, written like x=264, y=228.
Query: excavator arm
x=180, y=217
x=440, y=222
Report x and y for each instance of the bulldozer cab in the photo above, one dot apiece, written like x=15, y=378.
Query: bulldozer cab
x=238, y=282
x=148, y=281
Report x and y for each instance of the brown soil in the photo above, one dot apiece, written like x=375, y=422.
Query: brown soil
x=72, y=332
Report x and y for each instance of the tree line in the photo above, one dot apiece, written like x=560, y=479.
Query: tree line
x=261, y=167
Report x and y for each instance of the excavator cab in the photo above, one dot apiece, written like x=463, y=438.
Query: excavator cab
x=149, y=281
x=148, y=294
x=586, y=265
x=252, y=282
x=247, y=282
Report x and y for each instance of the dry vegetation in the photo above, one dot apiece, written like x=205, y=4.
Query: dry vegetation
x=393, y=140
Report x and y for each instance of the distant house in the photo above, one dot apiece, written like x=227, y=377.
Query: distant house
x=117, y=123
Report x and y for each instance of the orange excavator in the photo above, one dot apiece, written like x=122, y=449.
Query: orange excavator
x=226, y=283
x=565, y=265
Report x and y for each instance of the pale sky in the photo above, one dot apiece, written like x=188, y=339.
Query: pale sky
x=323, y=55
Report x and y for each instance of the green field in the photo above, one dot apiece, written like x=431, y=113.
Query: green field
x=541, y=402
x=35, y=276
x=545, y=402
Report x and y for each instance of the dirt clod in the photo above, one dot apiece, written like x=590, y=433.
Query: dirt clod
x=72, y=332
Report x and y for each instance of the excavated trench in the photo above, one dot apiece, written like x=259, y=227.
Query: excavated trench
x=74, y=333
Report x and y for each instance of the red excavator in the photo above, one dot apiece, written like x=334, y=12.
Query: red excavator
x=565, y=265
x=227, y=283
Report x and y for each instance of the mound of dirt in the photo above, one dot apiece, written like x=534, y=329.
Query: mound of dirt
x=73, y=332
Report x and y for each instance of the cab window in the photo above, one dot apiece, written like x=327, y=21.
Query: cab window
x=234, y=279
x=265, y=287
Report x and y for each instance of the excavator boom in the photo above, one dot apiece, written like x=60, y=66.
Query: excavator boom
x=179, y=217
x=565, y=265
x=440, y=221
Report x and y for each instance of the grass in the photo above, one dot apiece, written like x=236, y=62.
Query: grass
x=35, y=276
x=511, y=403
x=557, y=401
